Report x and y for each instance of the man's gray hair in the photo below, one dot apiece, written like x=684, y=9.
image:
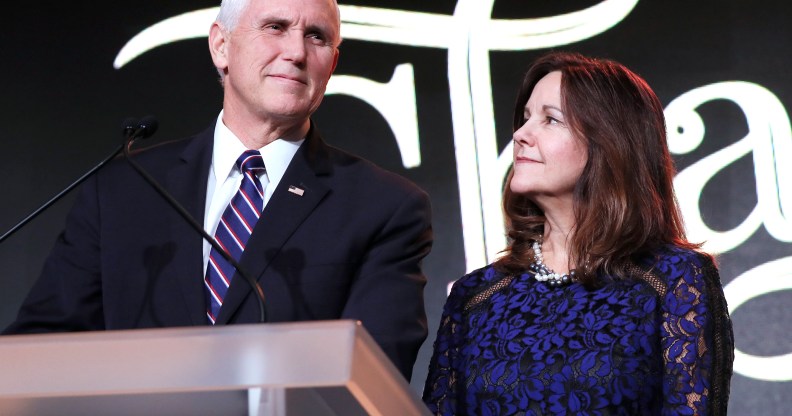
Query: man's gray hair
x=230, y=12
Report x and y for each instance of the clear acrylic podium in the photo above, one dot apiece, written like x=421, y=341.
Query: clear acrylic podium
x=312, y=368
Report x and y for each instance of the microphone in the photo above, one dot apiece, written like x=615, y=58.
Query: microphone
x=129, y=128
x=146, y=127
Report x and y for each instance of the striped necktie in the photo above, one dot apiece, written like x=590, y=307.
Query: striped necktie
x=234, y=229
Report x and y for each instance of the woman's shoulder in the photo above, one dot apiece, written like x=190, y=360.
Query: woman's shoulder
x=675, y=265
x=479, y=278
x=673, y=255
x=476, y=282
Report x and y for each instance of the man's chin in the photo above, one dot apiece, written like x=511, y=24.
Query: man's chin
x=289, y=119
x=288, y=106
x=286, y=110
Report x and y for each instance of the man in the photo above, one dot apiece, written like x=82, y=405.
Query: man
x=337, y=238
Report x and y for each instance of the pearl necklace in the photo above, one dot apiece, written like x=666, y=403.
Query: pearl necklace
x=542, y=273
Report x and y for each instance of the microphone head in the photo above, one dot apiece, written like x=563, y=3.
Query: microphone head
x=147, y=126
x=128, y=126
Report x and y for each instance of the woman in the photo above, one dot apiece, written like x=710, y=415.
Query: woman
x=599, y=305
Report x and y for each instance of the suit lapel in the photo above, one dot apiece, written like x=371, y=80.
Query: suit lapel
x=187, y=182
x=284, y=213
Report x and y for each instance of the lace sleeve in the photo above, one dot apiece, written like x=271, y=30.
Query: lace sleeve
x=445, y=391
x=697, y=340
x=441, y=382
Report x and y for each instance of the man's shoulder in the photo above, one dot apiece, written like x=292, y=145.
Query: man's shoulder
x=361, y=172
x=172, y=148
x=163, y=154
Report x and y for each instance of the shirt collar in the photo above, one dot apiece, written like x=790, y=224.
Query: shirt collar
x=227, y=148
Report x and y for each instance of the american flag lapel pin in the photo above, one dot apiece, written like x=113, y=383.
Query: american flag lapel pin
x=295, y=190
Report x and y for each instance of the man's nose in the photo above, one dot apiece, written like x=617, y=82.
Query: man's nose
x=294, y=47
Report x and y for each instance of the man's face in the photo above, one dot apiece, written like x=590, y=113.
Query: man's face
x=278, y=59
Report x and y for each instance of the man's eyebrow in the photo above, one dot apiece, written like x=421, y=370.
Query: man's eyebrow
x=260, y=21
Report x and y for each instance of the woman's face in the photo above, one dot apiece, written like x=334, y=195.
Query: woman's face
x=548, y=159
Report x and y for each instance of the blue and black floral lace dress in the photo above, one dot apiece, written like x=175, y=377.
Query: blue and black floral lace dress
x=660, y=343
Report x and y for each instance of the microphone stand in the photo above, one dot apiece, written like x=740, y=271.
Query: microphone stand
x=54, y=199
x=129, y=130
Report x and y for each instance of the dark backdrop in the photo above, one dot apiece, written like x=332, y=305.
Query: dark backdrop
x=63, y=101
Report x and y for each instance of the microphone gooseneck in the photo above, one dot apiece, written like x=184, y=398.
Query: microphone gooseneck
x=146, y=128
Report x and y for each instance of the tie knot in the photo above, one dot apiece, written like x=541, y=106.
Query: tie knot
x=250, y=160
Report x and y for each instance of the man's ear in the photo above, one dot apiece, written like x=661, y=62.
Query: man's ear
x=335, y=62
x=218, y=42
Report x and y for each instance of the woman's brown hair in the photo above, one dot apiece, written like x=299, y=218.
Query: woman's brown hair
x=624, y=202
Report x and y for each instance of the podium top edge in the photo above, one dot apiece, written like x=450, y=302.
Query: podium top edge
x=340, y=325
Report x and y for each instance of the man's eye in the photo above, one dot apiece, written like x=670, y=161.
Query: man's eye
x=317, y=38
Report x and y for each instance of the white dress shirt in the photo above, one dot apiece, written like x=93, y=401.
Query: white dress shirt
x=225, y=178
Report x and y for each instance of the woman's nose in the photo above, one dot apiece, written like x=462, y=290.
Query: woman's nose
x=524, y=135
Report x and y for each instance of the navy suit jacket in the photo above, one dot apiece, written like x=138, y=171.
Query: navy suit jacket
x=349, y=247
